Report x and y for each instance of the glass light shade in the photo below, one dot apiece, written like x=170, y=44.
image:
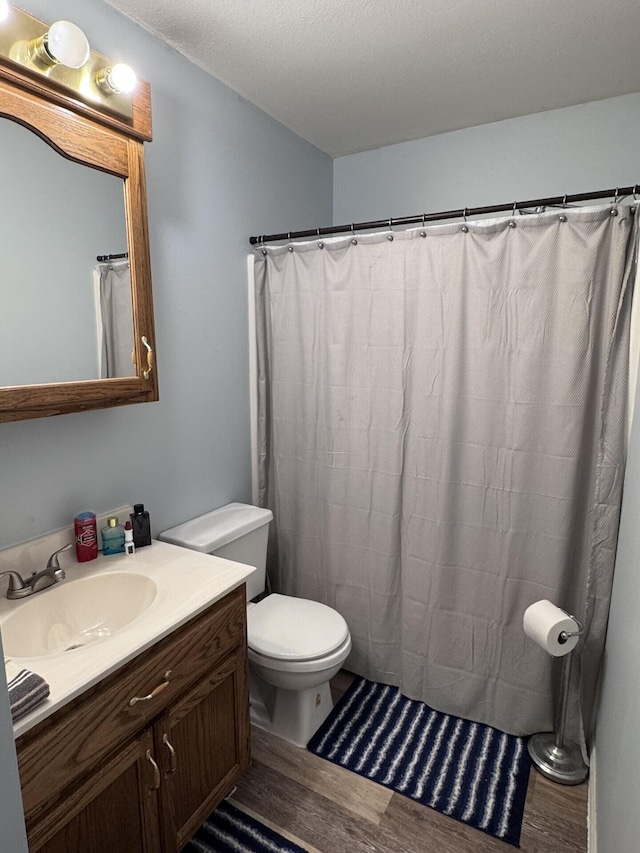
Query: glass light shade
x=4, y=9
x=68, y=44
x=121, y=78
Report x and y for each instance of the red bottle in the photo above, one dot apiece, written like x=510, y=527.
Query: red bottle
x=86, y=532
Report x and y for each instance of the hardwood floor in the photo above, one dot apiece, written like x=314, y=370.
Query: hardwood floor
x=327, y=809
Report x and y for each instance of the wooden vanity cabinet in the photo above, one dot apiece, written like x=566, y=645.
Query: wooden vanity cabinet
x=115, y=808
x=101, y=776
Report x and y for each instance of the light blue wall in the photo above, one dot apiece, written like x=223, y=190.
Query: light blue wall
x=578, y=149
x=618, y=743
x=12, y=833
x=218, y=171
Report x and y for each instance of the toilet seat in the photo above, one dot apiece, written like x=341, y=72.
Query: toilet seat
x=299, y=667
x=287, y=629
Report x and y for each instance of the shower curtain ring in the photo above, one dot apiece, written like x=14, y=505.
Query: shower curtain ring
x=513, y=210
x=635, y=189
x=564, y=200
x=614, y=208
x=464, y=214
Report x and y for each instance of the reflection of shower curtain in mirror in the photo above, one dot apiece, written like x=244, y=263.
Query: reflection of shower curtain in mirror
x=116, y=320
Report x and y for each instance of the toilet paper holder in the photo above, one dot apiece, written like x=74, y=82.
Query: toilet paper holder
x=556, y=758
x=566, y=635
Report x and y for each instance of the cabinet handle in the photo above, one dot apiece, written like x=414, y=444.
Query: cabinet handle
x=154, y=692
x=156, y=773
x=173, y=762
x=147, y=373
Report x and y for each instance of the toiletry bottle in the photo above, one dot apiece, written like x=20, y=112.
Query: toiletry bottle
x=141, y=526
x=129, y=545
x=113, y=537
x=86, y=534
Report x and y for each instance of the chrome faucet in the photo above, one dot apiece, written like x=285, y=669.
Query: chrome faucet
x=21, y=588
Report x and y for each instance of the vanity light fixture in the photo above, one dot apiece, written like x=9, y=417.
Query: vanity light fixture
x=61, y=52
x=64, y=43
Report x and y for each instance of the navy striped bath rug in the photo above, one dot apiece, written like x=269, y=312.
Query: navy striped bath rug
x=466, y=770
x=229, y=830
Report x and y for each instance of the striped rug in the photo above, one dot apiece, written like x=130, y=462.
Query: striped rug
x=229, y=830
x=466, y=770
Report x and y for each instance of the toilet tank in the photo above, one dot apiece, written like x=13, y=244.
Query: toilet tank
x=236, y=532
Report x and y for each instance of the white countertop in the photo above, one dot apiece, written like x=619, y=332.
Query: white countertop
x=188, y=583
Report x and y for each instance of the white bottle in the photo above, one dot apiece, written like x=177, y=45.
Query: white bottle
x=129, y=547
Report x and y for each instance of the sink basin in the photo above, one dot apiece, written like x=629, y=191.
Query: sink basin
x=76, y=613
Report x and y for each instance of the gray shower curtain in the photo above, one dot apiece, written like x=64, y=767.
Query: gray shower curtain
x=441, y=440
x=116, y=319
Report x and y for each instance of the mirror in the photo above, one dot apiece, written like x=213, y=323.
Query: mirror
x=56, y=218
x=73, y=189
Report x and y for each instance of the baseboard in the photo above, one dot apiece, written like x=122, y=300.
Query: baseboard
x=592, y=812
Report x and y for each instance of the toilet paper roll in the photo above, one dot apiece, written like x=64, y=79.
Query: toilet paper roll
x=544, y=623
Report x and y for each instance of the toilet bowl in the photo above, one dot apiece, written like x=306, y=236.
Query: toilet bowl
x=295, y=645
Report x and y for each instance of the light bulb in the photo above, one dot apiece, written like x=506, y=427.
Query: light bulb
x=67, y=44
x=121, y=78
x=4, y=9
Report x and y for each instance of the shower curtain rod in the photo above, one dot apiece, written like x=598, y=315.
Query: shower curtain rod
x=555, y=201
x=102, y=258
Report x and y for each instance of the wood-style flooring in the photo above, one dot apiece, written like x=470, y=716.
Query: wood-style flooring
x=326, y=809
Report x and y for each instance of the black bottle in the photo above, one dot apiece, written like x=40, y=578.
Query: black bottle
x=141, y=526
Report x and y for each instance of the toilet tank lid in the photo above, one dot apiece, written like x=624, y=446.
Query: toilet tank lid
x=211, y=531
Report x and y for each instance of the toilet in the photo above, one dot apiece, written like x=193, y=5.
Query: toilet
x=295, y=645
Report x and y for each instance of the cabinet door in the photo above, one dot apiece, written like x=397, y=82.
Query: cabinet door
x=203, y=745
x=115, y=809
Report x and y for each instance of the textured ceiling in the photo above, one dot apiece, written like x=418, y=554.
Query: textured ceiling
x=350, y=75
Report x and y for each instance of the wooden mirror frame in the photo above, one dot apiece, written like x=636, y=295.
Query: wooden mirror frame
x=95, y=138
